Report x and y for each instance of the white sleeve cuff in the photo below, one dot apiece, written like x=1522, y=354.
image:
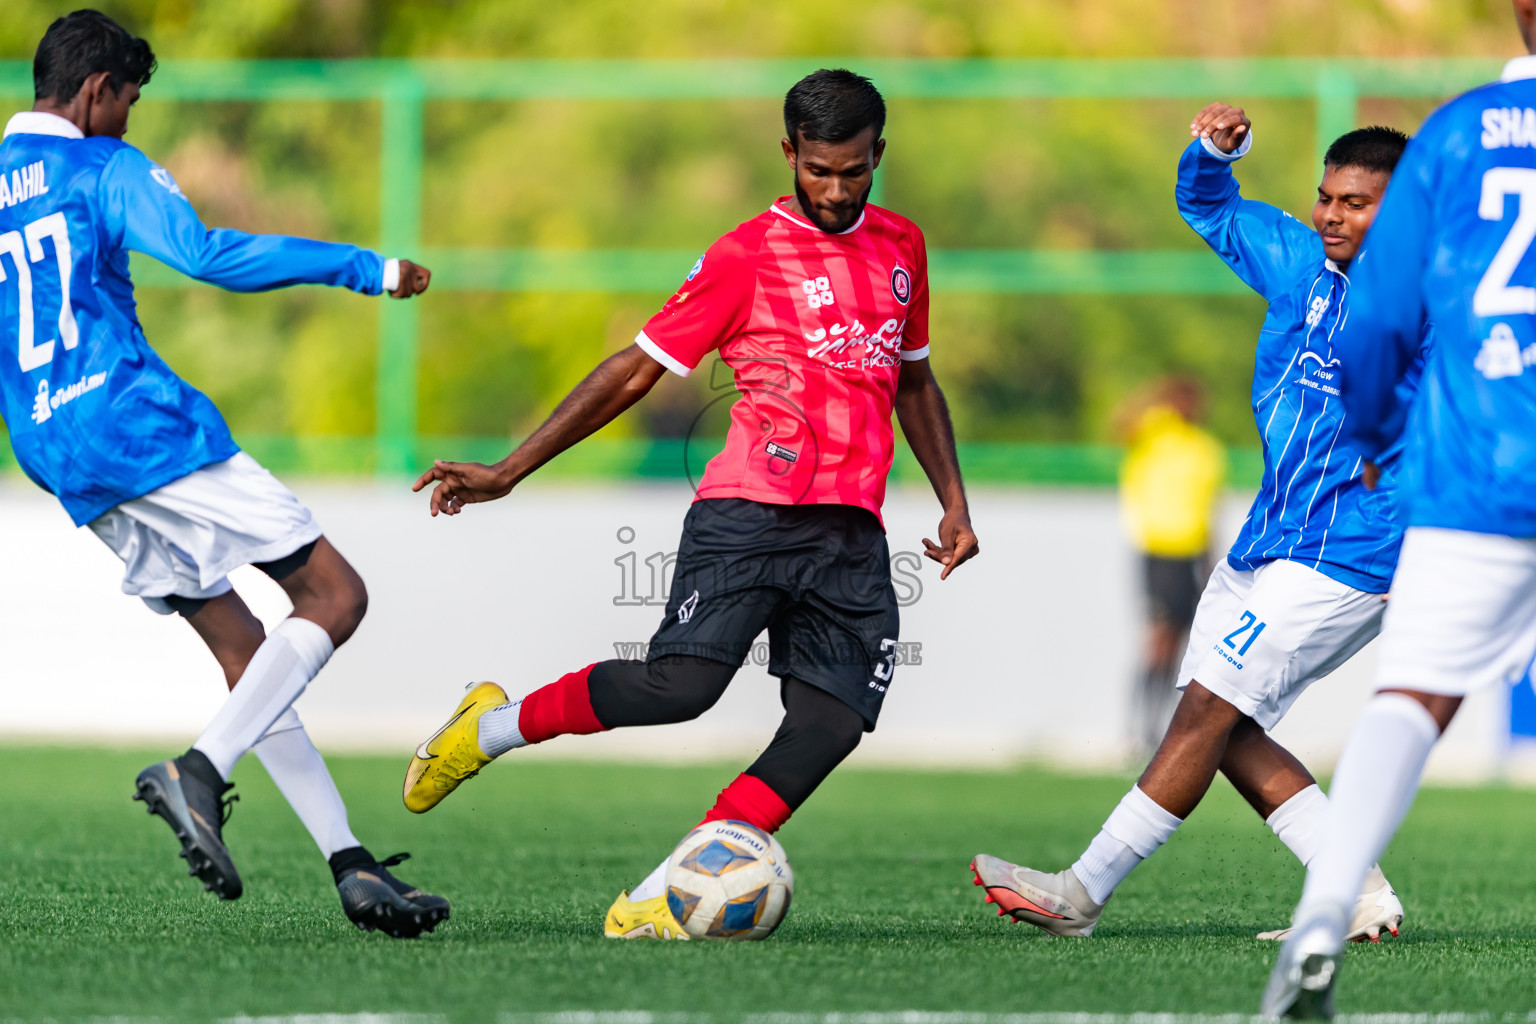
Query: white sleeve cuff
x=912, y=355
x=1237, y=154
x=656, y=352
x=391, y=275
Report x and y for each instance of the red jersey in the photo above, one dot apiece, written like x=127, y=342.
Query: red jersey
x=815, y=327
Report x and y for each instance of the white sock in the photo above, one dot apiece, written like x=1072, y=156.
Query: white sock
x=301, y=776
x=1299, y=822
x=498, y=731
x=655, y=884
x=282, y=666
x=1373, y=787
x=1134, y=830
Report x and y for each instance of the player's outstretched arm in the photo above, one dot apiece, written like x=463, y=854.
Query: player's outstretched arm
x=924, y=418
x=150, y=214
x=619, y=382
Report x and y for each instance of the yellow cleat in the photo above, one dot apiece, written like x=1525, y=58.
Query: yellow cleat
x=452, y=754
x=643, y=919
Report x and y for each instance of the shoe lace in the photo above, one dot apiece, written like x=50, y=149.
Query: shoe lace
x=394, y=860
x=226, y=808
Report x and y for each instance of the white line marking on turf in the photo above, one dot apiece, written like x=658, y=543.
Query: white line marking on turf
x=901, y=1017
x=928, y=1017
x=343, y=1018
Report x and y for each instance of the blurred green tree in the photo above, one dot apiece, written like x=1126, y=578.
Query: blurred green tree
x=673, y=175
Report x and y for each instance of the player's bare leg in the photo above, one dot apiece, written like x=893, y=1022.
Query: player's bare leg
x=1186, y=762
x=1266, y=774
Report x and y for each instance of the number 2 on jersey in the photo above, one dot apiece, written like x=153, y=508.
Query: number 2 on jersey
x=24, y=248
x=1495, y=296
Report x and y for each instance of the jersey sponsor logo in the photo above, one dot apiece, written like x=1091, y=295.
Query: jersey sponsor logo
x=1318, y=374
x=901, y=285
x=1504, y=127
x=45, y=402
x=164, y=180
x=880, y=349
x=818, y=292
x=695, y=271
x=40, y=408
x=778, y=451
x=687, y=608
x=1501, y=355
x=24, y=183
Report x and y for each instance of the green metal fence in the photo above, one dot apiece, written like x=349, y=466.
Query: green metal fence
x=402, y=88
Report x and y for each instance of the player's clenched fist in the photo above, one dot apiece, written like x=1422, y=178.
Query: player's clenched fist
x=414, y=279
x=1226, y=126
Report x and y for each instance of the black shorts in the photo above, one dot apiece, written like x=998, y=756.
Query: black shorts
x=817, y=577
x=1173, y=588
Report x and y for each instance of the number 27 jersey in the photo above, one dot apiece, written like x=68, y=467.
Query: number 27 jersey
x=95, y=416
x=814, y=328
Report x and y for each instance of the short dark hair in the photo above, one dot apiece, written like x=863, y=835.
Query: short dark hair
x=832, y=105
x=1376, y=148
x=81, y=44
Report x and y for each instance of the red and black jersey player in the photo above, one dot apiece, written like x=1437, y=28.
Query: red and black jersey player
x=820, y=307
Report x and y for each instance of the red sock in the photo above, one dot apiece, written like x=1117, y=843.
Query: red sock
x=559, y=709
x=751, y=800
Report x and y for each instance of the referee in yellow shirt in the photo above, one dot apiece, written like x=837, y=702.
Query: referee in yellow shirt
x=1169, y=479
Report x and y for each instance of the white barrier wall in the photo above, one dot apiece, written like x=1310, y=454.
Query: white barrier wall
x=1026, y=653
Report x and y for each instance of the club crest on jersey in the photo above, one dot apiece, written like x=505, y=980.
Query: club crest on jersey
x=901, y=285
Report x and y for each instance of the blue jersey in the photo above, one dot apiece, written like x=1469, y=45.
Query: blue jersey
x=1312, y=506
x=95, y=416
x=1453, y=241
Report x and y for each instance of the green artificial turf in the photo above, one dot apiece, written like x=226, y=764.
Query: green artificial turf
x=98, y=918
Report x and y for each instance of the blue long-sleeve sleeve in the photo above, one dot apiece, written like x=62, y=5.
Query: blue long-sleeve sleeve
x=1264, y=245
x=1384, y=333
x=149, y=214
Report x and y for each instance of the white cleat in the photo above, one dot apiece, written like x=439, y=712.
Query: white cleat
x=1055, y=903
x=1301, y=986
x=1377, y=910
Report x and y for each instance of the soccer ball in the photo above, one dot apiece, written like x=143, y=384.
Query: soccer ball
x=729, y=880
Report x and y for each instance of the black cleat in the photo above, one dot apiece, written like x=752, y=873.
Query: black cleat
x=183, y=793
x=374, y=899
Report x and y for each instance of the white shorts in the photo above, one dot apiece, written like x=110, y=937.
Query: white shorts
x=186, y=537
x=1262, y=637
x=1462, y=614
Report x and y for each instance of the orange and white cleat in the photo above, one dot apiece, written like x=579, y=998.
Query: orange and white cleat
x=1054, y=903
x=1377, y=911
